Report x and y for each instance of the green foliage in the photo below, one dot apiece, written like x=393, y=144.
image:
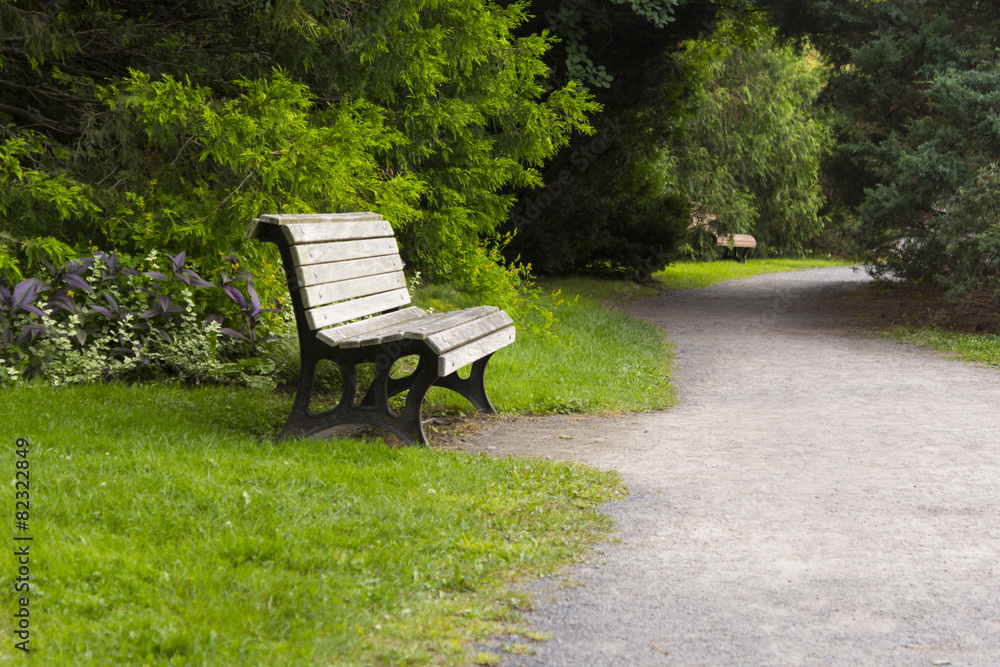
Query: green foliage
x=972, y=240
x=177, y=532
x=488, y=278
x=215, y=162
x=587, y=29
x=605, y=207
x=613, y=201
x=176, y=130
x=98, y=318
x=750, y=150
x=915, y=87
x=46, y=198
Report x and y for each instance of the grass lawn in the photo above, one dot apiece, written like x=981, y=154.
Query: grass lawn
x=695, y=275
x=593, y=359
x=975, y=347
x=168, y=527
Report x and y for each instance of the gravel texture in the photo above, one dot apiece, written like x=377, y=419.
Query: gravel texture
x=816, y=498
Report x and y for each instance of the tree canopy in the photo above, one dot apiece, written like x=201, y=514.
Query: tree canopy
x=584, y=127
x=913, y=177
x=678, y=126
x=605, y=203
x=139, y=125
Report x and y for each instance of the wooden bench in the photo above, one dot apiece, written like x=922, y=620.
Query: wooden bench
x=732, y=243
x=350, y=301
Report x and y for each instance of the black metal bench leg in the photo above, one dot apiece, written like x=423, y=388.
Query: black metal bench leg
x=373, y=408
x=473, y=387
x=410, y=421
x=301, y=421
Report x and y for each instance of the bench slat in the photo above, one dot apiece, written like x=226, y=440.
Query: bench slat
x=335, y=335
x=339, y=251
x=311, y=232
x=298, y=218
x=320, y=295
x=254, y=229
x=448, y=320
x=451, y=361
x=326, y=316
x=389, y=333
x=317, y=274
x=739, y=240
x=256, y=226
x=451, y=338
x=423, y=328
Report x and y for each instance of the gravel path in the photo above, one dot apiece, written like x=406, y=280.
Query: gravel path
x=816, y=498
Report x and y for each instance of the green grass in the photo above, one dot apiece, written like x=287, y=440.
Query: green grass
x=695, y=275
x=979, y=348
x=593, y=359
x=169, y=529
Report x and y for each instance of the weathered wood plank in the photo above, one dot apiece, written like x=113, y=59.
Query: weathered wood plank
x=431, y=325
x=320, y=295
x=256, y=225
x=326, y=316
x=449, y=339
x=317, y=274
x=346, y=230
x=254, y=229
x=424, y=329
x=391, y=332
x=739, y=240
x=312, y=218
x=336, y=335
x=323, y=253
x=451, y=361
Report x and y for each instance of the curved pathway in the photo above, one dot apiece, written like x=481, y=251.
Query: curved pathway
x=816, y=498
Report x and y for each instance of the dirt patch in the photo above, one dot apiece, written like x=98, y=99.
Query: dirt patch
x=877, y=307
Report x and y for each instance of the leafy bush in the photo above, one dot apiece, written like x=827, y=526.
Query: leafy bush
x=916, y=90
x=751, y=148
x=587, y=219
x=173, y=131
x=97, y=318
x=972, y=237
x=485, y=277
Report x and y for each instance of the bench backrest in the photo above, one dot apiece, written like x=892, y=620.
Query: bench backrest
x=346, y=265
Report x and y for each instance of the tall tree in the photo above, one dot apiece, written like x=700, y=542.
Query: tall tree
x=915, y=88
x=145, y=124
x=605, y=202
x=750, y=148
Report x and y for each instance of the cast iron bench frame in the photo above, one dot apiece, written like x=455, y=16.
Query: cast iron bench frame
x=349, y=296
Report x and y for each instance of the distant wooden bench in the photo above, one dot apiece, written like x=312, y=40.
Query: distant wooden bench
x=349, y=296
x=732, y=244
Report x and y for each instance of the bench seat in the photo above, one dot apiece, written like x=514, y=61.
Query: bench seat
x=351, y=307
